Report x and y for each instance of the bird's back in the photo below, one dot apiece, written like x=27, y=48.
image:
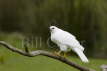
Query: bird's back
x=65, y=38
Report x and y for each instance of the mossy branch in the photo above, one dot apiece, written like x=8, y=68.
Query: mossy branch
x=44, y=53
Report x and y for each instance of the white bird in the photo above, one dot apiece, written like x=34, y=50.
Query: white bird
x=66, y=42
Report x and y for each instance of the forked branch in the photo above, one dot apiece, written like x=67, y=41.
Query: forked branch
x=44, y=53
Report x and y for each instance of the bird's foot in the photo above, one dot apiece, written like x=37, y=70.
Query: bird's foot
x=58, y=53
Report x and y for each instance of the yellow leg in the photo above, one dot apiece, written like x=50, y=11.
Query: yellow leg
x=58, y=53
x=65, y=54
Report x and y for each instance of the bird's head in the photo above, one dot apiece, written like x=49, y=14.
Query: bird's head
x=53, y=29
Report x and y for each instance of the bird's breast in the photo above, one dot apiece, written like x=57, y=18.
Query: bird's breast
x=56, y=38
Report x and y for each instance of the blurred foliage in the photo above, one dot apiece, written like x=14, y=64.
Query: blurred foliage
x=86, y=19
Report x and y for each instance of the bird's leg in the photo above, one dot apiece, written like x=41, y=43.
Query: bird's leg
x=65, y=54
x=58, y=53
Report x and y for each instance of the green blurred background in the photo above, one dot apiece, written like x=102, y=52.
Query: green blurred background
x=86, y=19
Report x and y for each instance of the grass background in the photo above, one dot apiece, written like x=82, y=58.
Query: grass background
x=10, y=61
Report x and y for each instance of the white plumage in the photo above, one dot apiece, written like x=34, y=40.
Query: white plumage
x=67, y=42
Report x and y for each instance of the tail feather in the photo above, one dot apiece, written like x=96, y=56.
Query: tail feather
x=81, y=55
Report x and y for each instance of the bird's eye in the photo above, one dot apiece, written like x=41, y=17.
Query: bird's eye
x=52, y=28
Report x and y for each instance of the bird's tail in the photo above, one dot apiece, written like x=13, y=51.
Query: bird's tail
x=81, y=55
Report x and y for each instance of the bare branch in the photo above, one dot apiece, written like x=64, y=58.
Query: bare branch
x=45, y=53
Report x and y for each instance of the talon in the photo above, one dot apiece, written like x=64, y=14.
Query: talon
x=58, y=53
